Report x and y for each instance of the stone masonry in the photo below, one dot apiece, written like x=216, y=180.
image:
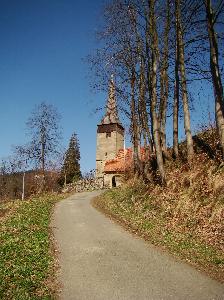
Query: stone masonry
x=110, y=134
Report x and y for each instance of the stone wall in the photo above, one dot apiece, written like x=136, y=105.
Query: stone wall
x=84, y=185
x=108, y=145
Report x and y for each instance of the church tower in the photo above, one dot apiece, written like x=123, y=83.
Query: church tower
x=110, y=133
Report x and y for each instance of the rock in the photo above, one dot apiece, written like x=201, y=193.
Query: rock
x=84, y=185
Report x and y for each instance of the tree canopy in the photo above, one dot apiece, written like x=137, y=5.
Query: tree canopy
x=71, y=167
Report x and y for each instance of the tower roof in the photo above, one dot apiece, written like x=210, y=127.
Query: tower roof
x=111, y=115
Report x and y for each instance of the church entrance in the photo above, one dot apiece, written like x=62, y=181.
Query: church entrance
x=114, y=181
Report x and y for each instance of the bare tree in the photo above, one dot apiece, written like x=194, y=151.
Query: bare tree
x=183, y=79
x=176, y=106
x=212, y=17
x=154, y=63
x=164, y=88
x=43, y=128
x=154, y=51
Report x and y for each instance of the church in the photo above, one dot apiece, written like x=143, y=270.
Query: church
x=112, y=159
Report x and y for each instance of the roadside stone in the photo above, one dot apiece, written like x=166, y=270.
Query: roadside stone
x=84, y=185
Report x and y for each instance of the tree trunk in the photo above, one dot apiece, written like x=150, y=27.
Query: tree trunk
x=165, y=82
x=156, y=129
x=149, y=85
x=143, y=119
x=65, y=179
x=134, y=126
x=176, y=106
x=43, y=160
x=175, y=117
x=180, y=45
x=163, y=111
x=143, y=108
x=215, y=71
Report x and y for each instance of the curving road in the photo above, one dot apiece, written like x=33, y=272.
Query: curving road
x=101, y=261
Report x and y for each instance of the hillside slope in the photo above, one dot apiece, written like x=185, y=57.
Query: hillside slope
x=185, y=217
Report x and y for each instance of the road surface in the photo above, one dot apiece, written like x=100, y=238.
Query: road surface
x=101, y=261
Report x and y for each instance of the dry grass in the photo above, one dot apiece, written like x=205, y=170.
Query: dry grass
x=186, y=217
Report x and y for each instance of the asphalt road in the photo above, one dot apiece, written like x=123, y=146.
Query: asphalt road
x=101, y=261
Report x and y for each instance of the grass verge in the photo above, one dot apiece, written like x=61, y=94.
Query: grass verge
x=26, y=254
x=142, y=215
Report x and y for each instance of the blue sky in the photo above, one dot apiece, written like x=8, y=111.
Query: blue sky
x=42, y=46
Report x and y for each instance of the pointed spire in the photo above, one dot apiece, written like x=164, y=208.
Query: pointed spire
x=111, y=115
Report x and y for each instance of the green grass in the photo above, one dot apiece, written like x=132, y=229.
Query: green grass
x=143, y=216
x=26, y=259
